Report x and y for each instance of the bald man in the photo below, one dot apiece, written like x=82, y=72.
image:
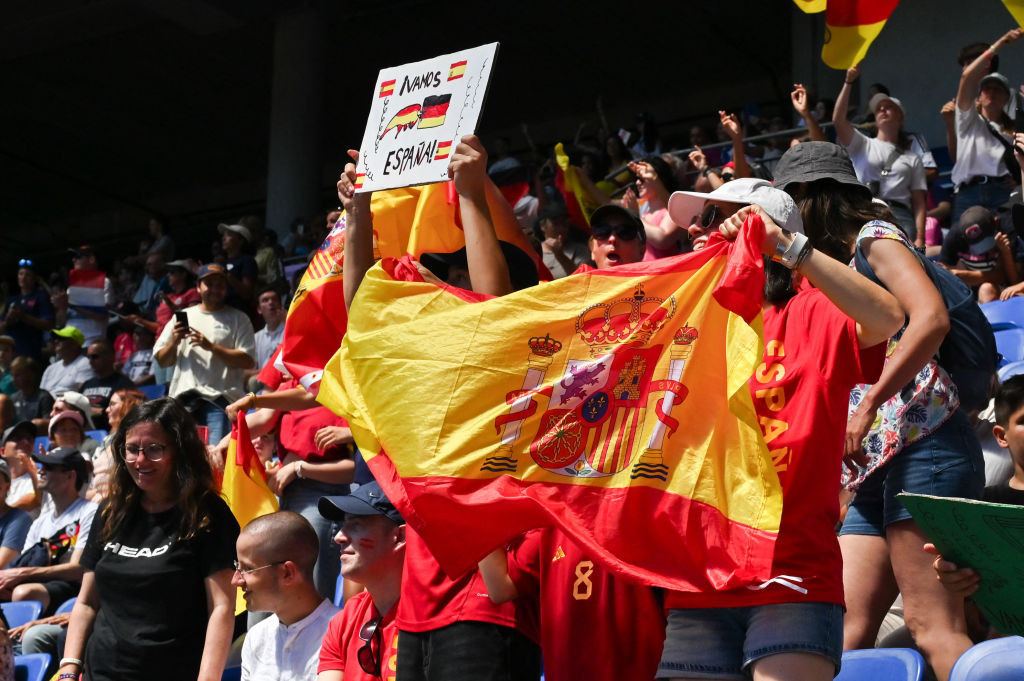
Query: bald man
x=276, y=555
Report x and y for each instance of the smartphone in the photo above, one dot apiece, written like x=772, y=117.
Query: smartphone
x=181, y=318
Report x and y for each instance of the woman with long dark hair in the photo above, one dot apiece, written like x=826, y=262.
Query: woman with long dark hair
x=156, y=599
x=906, y=432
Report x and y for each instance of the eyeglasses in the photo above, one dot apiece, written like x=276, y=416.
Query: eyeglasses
x=623, y=231
x=708, y=217
x=368, y=660
x=25, y=262
x=154, y=451
x=248, y=571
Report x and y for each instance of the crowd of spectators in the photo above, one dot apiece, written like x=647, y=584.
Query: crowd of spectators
x=92, y=346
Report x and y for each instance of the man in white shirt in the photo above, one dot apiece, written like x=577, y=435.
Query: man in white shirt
x=276, y=555
x=210, y=354
x=72, y=369
x=64, y=529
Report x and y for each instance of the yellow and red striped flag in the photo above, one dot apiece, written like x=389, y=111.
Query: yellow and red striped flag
x=613, y=404
x=568, y=184
x=457, y=70
x=850, y=27
x=387, y=88
x=244, y=487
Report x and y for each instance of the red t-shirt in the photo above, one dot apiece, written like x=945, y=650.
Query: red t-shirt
x=801, y=393
x=297, y=428
x=340, y=648
x=430, y=600
x=580, y=601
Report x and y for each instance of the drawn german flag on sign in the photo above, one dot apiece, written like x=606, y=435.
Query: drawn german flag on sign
x=443, y=149
x=457, y=69
x=360, y=178
x=434, y=110
x=387, y=88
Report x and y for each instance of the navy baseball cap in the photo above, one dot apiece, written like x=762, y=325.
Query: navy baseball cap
x=369, y=499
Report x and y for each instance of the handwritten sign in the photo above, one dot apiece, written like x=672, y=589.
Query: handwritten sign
x=419, y=113
x=986, y=537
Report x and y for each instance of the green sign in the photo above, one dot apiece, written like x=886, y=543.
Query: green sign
x=988, y=538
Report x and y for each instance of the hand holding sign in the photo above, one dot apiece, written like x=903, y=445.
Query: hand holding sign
x=418, y=113
x=469, y=168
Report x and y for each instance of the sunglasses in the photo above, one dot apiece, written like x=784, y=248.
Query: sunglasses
x=708, y=217
x=623, y=231
x=368, y=660
x=25, y=262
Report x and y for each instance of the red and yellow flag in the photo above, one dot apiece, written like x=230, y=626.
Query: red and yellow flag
x=1016, y=8
x=568, y=185
x=245, y=483
x=612, y=404
x=410, y=220
x=850, y=27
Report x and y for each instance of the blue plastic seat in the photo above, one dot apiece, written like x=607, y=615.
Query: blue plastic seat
x=1010, y=370
x=66, y=606
x=97, y=435
x=20, y=612
x=339, y=591
x=882, y=664
x=1010, y=344
x=1005, y=314
x=1001, y=659
x=42, y=441
x=31, y=667
x=152, y=392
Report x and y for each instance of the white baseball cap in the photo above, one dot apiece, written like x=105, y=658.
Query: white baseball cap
x=780, y=207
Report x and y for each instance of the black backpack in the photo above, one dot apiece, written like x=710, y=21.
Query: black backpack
x=968, y=352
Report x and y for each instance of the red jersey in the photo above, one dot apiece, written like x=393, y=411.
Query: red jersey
x=186, y=298
x=297, y=429
x=431, y=600
x=340, y=648
x=623, y=624
x=801, y=391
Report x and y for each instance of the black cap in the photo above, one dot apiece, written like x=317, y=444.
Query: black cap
x=977, y=226
x=64, y=456
x=369, y=499
x=27, y=425
x=553, y=209
x=82, y=251
x=609, y=209
x=810, y=161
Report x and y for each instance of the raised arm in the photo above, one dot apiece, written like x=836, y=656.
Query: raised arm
x=971, y=77
x=358, y=230
x=739, y=153
x=802, y=107
x=876, y=311
x=844, y=130
x=488, y=270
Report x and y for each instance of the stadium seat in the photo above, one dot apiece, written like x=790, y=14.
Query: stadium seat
x=152, y=392
x=1010, y=344
x=1005, y=314
x=41, y=441
x=97, y=435
x=66, y=606
x=19, y=612
x=882, y=664
x=1009, y=370
x=31, y=667
x=339, y=591
x=232, y=674
x=1000, y=659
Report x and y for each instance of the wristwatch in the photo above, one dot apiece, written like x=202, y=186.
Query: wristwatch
x=793, y=254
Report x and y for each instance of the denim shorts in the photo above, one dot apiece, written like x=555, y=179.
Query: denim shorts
x=723, y=643
x=946, y=463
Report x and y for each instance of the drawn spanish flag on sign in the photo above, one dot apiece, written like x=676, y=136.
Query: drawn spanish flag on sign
x=360, y=178
x=443, y=150
x=613, y=404
x=403, y=120
x=457, y=70
x=387, y=88
x=850, y=27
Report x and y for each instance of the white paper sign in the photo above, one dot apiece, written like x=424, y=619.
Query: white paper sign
x=419, y=113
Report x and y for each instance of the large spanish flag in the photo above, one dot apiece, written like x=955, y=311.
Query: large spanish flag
x=850, y=27
x=410, y=220
x=612, y=404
